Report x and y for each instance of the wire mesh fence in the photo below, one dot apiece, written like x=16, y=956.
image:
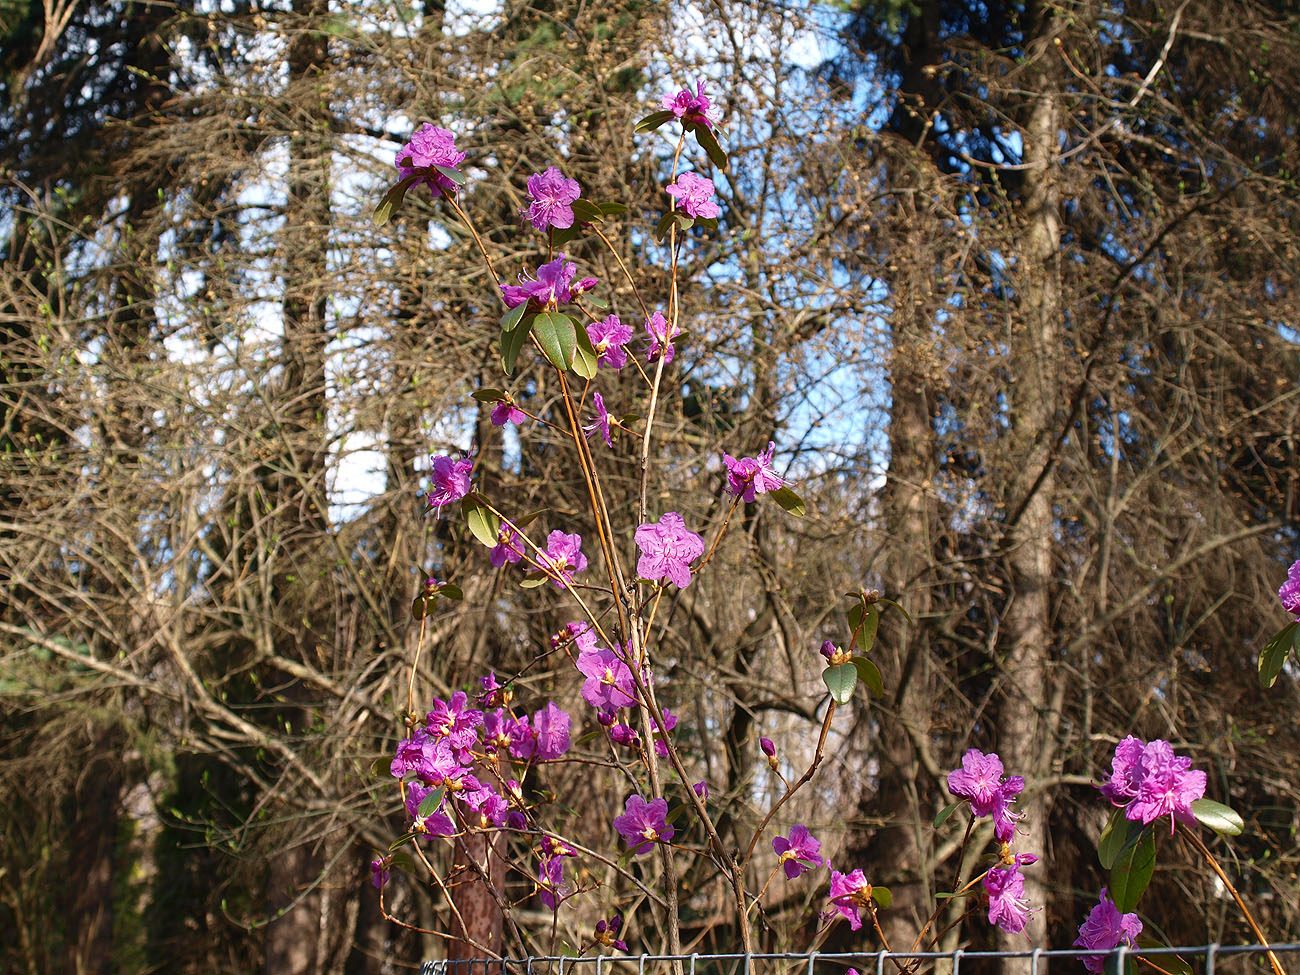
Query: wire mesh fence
x=1207, y=959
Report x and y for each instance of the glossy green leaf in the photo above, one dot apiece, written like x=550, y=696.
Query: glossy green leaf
x=585, y=357
x=392, y=200
x=869, y=674
x=1114, y=835
x=882, y=895
x=430, y=803
x=455, y=175
x=533, y=579
x=709, y=143
x=942, y=815
x=840, y=681
x=906, y=615
x=451, y=591
x=489, y=395
x=612, y=209
x=710, y=222
x=484, y=524
x=1132, y=871
x=524, y=521
x=557, y=336
x=665, y=224
x=561, y=237
x=596, y=301
x=584, y=211
x=653, y=121
x=790, y=501
x=422, y=606
x=1274, y=655
x=1111, y=965
x=1224, y=820
x=870, y=624
x=511, y=343
x=401, y=841
x=513, y=317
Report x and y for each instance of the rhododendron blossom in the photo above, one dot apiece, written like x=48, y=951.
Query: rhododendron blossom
x=1105, y=929
x=642, y=824
x=430, y=146
x=552, y=194
x=607, y=338
x=450, y=478
x=1150, y=781
x=1289, y=592
x=692, y=108
x=979, y=781
x=849, y=894
x=667, y=549
x=1008, y=908
x=565, y=555
x=797, y=852
x=552, y=287
x=609, y=685
x=748, y=477
x=661, y=338
x=601, y=423
x=693, y=194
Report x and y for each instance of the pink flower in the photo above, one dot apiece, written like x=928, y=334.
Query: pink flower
x=1105, y=929
x=450, y=480
x=798, y=852
x=691, y=108
x=749, y=477
x=551, y=193
x=667, y=550
x=607, y=931
x=979, y=781
x=552, y=725
x=509, y=547
x=601, y=423
x=430, y=146
x=506, y=412
x=455, y=721
x=1151, y=781
x=642, y=824
x=609, y=685
x=608, y=338
x=1289, y=592
x=692, y=193
x=550, y=881
x=379, y=871
x=1008, y=908
x=670, y=722
x=549, y=290
x=661, y=338
x=565, y=554
x=849, y=894
x=701, y=789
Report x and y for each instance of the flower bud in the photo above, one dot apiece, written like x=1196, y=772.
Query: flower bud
x=768, y=748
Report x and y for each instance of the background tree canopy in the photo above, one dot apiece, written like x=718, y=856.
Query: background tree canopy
x=1013, y=287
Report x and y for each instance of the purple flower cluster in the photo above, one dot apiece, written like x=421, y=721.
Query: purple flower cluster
x=749, y=477
x=1289, y=592
x=442, y=752
x=979, y=781
x=551, y=195
x=1150, y=781
x=552, y=287
x=692, y=108
x=564, y=554
x=643, y=824
x=693, y=195
x=450, y=478
x=608, y=338
x=1105, y=930
x=668, y=548
x=1005, y=887
x=430, y=146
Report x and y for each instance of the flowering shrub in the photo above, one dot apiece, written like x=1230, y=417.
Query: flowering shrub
x=459, y=770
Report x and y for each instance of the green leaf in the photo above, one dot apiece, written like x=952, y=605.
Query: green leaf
x=1274, y=655
x=489, y=395
x=512, y=318
x=840, y=681
x=430, y=803
x=451, y=591
x=455, y=175
x=675, y=813
x=1111, y=966
x=555, y=332
x=585, y=357
x=665, y=224
x=906, y=615
x=526, y=520
x=653, y=121
x=684, y=222
x=422, y=606
x=1224, y=820
x=1132, y=871
x=401, y=841
x=882, y=895
x=790, y=501
x=942, y=815
x=584, y=211
x=854, y=612
x=1114, y=836
x=511, y=343
x=533, y=579
x=561, y=237
x=870, y=624
x=710, y=222
x=393, y=200
x=596, y=301
x=481, y=521
x=709, y=143
x=869, y=674
x=612, y=209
